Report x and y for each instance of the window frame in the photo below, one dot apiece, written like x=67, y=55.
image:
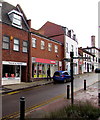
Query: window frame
x=56, y=48
x=6, y=42
x=25, y=46
x=49, y=46
x=14, y=44
x=42, y=44
x=34, y=43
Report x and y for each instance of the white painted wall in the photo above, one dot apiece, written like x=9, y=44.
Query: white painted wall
x=71, y=42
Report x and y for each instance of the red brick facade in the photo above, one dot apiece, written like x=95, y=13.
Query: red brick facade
x=10, y=54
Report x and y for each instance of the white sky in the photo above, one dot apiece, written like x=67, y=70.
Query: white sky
x=79, y=15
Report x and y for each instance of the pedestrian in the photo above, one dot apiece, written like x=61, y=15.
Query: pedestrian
x=48, y=74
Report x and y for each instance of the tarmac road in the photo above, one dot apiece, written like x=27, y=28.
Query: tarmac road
x=42, y=95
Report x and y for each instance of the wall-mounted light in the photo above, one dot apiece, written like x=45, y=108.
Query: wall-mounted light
x=11, y=37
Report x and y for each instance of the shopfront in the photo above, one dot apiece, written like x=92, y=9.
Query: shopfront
x=12, y=72
x=40, y=67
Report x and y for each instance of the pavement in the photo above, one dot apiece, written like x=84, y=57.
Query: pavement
x=24, y=85
x=90, y=94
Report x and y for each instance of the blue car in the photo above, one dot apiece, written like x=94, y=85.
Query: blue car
x=61, y=76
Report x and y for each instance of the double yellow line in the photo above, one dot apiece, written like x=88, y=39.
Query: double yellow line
x=16, y=114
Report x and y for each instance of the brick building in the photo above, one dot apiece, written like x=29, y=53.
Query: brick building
x=66, y=37
x=46, y=53
x=15, y=39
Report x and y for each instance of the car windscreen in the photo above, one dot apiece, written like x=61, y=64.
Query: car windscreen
x=56, y=74
x=65, y=73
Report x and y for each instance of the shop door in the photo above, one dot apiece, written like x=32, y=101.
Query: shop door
x=23, y=74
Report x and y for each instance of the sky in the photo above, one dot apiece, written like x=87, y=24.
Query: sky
x=79, y=15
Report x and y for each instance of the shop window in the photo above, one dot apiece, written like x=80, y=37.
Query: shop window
x=16, y=44
x=34, y=42
x=6, y=42
x=25, y=46
x=49, y=46
x=11, y=71
x=56, y=48
x=42, y=44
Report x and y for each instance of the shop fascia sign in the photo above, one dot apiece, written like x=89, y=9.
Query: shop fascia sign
x=14, y=63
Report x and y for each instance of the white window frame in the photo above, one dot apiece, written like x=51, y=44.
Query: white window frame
x=25, y=47
x=6, y=42
x=56, y=48
x=42, y=44
x=67, y=47
x=34, y=42
x=16, y=46
x=49, y=46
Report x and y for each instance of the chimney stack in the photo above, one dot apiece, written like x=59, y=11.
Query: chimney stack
x=92, y=41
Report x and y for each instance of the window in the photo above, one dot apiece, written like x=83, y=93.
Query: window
x=34, y=42
x=56, y=48
x=49, y=46
x=16, y=18
x=25, y=46
x=42, y=44
x=67, y=47
x=6, y=42
x=76, y=51
x=16, y=45
x=0, y=11
x=72, y=48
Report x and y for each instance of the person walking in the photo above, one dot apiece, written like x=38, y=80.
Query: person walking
x=48, y=74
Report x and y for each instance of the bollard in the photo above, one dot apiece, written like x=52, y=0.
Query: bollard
x=98, y=99
x=68, y=91
x=22, y=108
x=84, y=84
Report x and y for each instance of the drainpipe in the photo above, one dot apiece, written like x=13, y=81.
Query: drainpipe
x=1, y=45
x=29, y=53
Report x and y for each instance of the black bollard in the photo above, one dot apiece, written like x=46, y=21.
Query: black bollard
x=84, y=84
x=68, y=91
x=22, y=108
x=98, y=99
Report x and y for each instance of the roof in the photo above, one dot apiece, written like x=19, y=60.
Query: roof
x=6, y=8
x=36, y=33
x=92, y=48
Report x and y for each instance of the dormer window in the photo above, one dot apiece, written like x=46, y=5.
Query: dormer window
x=16, y=18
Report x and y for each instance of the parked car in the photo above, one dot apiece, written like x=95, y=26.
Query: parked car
x=61, y=76
x=97, y=70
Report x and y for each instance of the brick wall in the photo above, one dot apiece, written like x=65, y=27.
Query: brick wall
x=11, y=55
x=37, y=52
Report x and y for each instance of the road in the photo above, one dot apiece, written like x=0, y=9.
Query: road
x=41, y=95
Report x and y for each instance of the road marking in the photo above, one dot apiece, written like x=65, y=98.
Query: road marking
x=15, y=114
x=13, y=92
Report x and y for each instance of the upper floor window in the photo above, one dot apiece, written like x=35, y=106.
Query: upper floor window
x=42, y=44
x=6, y=42
x=25, y=46
x=67, y=47
x=76, y=52
x=49, y=46
x=72, y=48
x=0, y=11
x=16, y=18
x=56, y=48
x=16, y=44
x=34, y=42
